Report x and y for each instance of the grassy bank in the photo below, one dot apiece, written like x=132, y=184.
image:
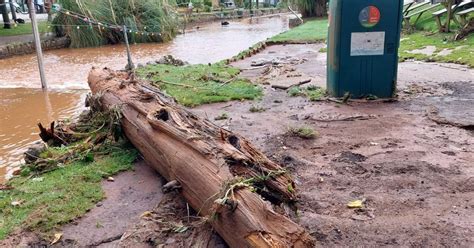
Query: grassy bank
x=460, y=52
x=63, y=182
x=444, y=48
x=42, y=203
x=194, y=85
x=426, y=35
x=26, y=28
x=311, y=31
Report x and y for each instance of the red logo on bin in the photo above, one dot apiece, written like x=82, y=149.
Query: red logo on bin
x=374, y=14
x=369, y=16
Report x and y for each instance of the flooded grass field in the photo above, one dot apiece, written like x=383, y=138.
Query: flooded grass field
x=23, y=104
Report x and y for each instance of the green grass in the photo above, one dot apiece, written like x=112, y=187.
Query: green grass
x=462, y=52
x=427, y=21
x=313, y=93
x=59, y=196
x=194, y=85
x=256, y=109
x=310, y=31
x=223, y=116
x=424, y=35
x=24, y=29
x=303, y=132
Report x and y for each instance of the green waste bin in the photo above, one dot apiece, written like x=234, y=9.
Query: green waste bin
x=362, y=52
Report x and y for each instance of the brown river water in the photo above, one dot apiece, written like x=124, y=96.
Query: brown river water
x=23, y=104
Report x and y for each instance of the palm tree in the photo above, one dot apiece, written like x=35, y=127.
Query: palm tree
x=312, y=8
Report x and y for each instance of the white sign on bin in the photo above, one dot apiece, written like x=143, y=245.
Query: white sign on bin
x=367, y=43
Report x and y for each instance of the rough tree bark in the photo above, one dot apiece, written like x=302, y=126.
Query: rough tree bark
x=320, y=8
x=312, y=8
x=207, y=161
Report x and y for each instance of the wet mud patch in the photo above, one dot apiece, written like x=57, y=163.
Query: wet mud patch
x=450, y=106
x=413, y=175
x=128, y=196
x=172, y=223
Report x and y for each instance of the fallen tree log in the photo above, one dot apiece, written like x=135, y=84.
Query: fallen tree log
x=221, y=174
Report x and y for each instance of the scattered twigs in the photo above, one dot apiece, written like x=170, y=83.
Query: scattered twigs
x=284, y=87
x=227, y=81
x=5, y=187
x=49, y=136
x=349, y=118
x=256, y=67
x=177, y=84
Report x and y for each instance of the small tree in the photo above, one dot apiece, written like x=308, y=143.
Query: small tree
x=448, y=4
x=312, y=8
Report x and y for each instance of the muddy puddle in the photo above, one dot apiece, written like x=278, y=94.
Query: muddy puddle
x=23, y=105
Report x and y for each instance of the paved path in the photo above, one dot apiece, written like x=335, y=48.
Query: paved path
x=4, y=40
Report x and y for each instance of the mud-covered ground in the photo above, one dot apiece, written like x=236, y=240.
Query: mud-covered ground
x=410, y=160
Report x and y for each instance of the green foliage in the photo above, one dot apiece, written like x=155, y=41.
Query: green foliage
x=427, y=35
x=295, y=91
x=462, y=52
x=314, y=93
x=257, y=109
x=64, y=182
x=428, y=23
x=156, y=15
x=306, y=7
x=248, y=52
x=310, y=31
x=24, y=29
x=303, y=132
x=223, y=116
x=194, y=85
x=59, y=196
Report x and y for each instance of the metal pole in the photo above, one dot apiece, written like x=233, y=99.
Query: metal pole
x=130, y=65
x=39, y=52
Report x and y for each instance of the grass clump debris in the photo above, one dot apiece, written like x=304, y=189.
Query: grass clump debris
x=304, y=132
x=223, y=116
x=194, y=85
x=256, y=109
x=314, y=93
x=65, y=180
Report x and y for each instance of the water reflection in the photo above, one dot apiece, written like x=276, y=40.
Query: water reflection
x=20, y=111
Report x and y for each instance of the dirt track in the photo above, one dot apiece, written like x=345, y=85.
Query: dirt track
x=410, y=160
x=415, y=175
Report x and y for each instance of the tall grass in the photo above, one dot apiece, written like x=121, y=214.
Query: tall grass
x=156, y=16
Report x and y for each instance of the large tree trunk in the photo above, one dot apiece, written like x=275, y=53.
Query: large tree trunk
x=6, y=18
x=207, y=161
x=312, y=8
x=320, y=8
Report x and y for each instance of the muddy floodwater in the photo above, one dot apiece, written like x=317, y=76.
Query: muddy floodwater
x=23, y=105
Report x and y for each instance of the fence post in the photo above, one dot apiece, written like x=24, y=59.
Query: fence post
x=39, y=52
x=130, y=65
